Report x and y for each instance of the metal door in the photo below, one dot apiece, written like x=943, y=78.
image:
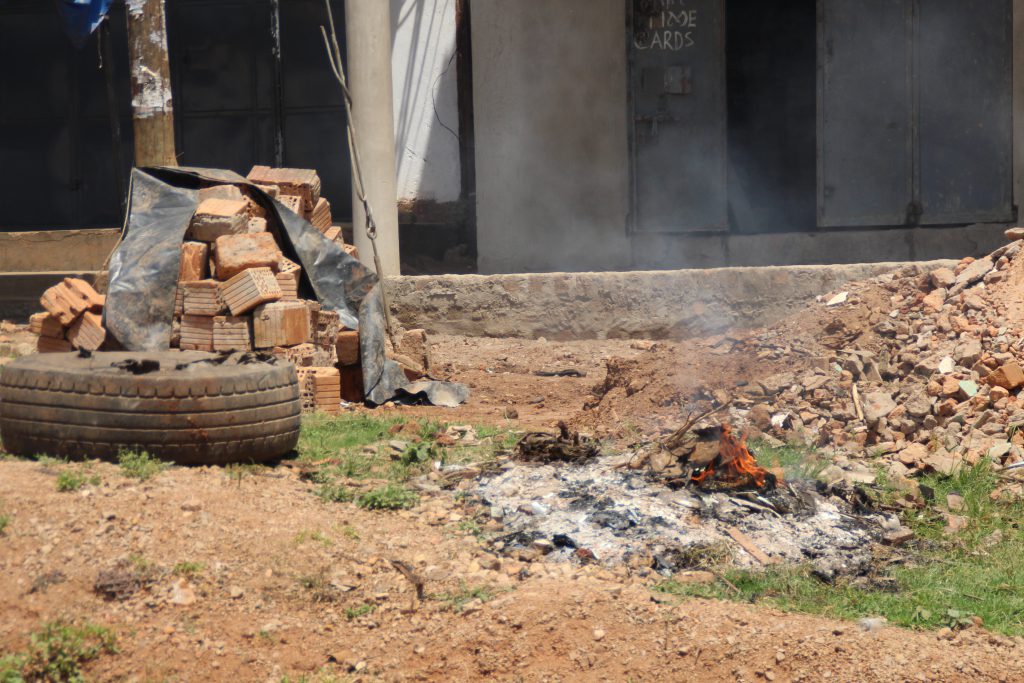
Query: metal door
x=914, y=112
x=677, y=84
x=966, y=111
x=865, y=109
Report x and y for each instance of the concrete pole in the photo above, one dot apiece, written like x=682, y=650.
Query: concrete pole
x=368, y=39
x=152, y=111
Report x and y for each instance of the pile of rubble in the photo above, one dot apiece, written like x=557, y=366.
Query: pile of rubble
x=929, y=382
x=237, y=292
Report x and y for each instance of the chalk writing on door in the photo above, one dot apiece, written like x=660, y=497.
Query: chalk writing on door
x=664, y=25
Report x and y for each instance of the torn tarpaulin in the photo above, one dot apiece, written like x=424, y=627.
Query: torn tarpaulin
x=144, y=274
x=82, y=17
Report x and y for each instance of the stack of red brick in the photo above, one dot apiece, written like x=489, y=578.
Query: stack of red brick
x=73, y=318
x=238, y=292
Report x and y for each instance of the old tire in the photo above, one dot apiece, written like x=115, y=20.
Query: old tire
x=194, y=410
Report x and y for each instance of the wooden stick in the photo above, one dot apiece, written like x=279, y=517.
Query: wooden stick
x=748, y=545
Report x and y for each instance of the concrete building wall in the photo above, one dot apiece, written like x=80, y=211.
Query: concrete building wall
x=426, y=104
x=549, y=89
x=550, y=108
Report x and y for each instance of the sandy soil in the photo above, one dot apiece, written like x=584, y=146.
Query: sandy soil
x=280, y=568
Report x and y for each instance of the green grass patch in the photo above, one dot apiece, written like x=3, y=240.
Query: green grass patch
x=73, y=479
x=947, y=578
x=390, y=497
x=57, y=652
x=5, y=522
x=187, y=568
x=323, y=436
x=466, y=593
x=357, y=447
x=140, y=465
x=360, y=611
x=305, y=536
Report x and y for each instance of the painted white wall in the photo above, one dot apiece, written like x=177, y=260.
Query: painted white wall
x=426, y=99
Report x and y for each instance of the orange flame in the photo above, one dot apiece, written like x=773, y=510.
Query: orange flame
x=735, y=464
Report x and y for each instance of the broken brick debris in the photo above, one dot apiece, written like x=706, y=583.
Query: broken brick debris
x=320, y=217
x=292, y=203
x=217, y=217
x=45, y=325
x=347, y=347
x=256, y=225
x=301, y=182
x=233, y=254
x=288, y=274
x=320, y=388
x=229, y=192
x=302, y=355
x=73, y=318
x=195, y=261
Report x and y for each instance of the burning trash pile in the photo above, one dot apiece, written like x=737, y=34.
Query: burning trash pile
x=239, y=285
x=692, y=501
x=918, y=370
x=930, y=382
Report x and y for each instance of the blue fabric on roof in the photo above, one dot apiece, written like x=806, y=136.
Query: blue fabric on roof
x=82, y=17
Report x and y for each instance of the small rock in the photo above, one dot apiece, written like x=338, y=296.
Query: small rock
x=192, y=505
x=871, y=624
x=694, y=577
x=543, y=545
x=935, y=299
x=918, y=404
x=898, y=537
x=913, y=455
x=942, y=278
x=968, y=389
x=955, y=502
x=877, y=405
x=971, y=274
x=1014, y=234
x=839, y=298
x=967, y=352
x=955, y=524
x=490, y=563
x=943, y=463
x=947, y=365
x=182, y=593
x=1009, y=376
x=599, y=634
x=236, y=592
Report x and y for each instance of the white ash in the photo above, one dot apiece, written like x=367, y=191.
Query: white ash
x=617, y=514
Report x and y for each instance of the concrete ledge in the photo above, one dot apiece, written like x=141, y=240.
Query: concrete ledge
x=56, y=250
x=648, y=304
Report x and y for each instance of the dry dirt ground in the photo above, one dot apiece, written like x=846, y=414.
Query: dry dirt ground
x=247, y=576
x=269, y=577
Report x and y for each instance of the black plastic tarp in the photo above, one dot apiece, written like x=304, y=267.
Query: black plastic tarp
x=144, y=276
